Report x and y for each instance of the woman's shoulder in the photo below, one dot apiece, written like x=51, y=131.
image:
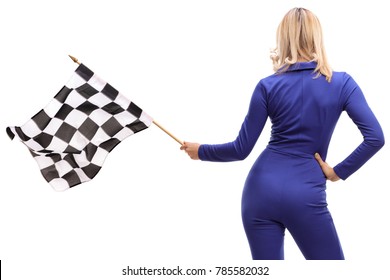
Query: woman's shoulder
x=338, y=77
x=339, y=74
x=342, y=77
x=270, y=79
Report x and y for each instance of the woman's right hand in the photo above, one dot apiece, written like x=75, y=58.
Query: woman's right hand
x=327, y=169
x=191, y=149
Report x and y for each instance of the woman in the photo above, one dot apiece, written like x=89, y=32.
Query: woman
x=285, y=188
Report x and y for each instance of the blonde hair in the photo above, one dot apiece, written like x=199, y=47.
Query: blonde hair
x=299, y=38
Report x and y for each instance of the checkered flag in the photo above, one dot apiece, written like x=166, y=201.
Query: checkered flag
x=71, y=137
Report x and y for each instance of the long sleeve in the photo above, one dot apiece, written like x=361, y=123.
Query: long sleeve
x=373, y=139
x=250, y=131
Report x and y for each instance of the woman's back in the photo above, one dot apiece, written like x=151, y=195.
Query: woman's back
x=303, y=109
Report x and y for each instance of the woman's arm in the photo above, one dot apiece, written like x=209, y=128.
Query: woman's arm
x=241, y=147
x=373, y=139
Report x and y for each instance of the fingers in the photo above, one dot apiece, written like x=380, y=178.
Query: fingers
x=319, y=159
x=191, y=149
x=326, y=169
x=184, y=146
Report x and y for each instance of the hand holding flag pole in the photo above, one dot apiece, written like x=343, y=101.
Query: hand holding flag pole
x=75, y=60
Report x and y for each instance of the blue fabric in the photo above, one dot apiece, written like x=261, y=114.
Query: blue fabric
x=285, y=187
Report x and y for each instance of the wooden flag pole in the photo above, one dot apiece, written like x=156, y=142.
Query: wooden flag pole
x=167, y=132
x=75, y=60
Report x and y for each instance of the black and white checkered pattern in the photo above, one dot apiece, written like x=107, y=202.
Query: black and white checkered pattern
x=71, y=137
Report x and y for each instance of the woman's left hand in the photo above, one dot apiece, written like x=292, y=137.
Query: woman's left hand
x=327, y=169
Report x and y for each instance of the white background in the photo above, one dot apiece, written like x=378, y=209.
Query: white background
x=192, y=65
